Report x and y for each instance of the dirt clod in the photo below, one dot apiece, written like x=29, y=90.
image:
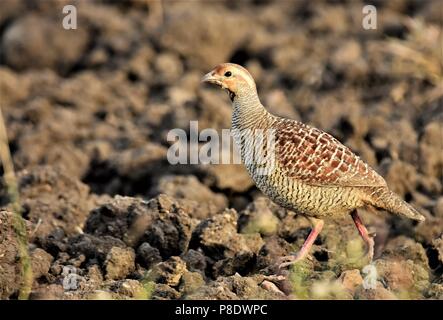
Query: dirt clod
x=168, y=272
x=119, y=263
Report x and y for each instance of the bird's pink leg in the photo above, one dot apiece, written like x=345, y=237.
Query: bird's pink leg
x=364, y=234
x=317, y=227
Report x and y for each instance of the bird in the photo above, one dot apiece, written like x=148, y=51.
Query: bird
x=312, y=172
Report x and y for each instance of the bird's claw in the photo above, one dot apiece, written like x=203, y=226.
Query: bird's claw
x=286, y=261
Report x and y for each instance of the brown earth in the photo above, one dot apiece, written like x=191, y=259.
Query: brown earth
x=88, y=111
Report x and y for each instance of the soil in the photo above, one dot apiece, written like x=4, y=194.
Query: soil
x=88, y=111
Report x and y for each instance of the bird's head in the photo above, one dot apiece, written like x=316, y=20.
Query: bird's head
x=233, y=78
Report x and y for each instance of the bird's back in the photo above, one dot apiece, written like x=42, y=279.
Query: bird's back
x=317, y=158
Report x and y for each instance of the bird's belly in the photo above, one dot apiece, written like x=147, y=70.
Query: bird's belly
x=315, y=201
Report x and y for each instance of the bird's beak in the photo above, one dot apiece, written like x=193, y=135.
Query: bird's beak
x=211, y=77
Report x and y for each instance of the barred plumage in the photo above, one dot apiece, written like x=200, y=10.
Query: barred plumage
x=314, y=174
x=317, y=158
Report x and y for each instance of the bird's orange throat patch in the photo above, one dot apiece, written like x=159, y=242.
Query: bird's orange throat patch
x=230, y=84
x=231, y=87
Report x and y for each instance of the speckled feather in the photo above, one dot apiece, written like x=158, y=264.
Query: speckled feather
x=317, y=158
x=314, y=174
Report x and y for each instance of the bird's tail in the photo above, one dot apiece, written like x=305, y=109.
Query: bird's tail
x=388, y=200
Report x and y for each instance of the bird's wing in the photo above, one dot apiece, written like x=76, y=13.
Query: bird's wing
x=317, y=158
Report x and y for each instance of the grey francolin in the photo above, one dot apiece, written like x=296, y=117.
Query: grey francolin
x=312, y=173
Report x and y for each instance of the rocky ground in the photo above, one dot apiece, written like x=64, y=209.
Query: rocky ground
x=87, y=114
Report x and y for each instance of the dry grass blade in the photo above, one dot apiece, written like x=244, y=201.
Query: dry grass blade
x=18, y=222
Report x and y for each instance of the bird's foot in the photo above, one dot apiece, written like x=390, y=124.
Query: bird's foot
x=370, y=248
x=277, y=283
x=287, y=261
x=368, y=237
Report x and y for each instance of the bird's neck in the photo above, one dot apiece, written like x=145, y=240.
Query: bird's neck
x=248, y=112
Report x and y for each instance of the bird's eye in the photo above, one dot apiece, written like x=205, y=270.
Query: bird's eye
x=228, y=73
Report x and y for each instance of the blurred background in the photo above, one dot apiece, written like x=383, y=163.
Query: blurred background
x=87, y=110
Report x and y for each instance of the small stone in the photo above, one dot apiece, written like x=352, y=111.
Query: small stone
x=100, y=295
x=190, y=282
x=435, y=291
x=351, y=279
x=148, y=255
x=397, y=275
x=41, y=263
x=438, y=245
x=132, y=289
x=379, y=293
x=119, y=263
x=95, y=277
x=218, y=235
x=164, y=292
x=241, y=262
x=168, y=272
x=95, y=249
x=48, y=292
x=233, y=288
x=195, y=261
